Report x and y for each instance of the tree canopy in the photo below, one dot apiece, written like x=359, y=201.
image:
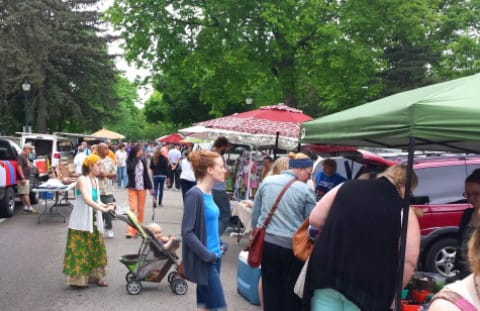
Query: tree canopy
x=321, y=56
x=59, y=48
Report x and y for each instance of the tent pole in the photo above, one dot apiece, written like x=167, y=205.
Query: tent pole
x=276, y=146
x=403, y=237
x=250, y=165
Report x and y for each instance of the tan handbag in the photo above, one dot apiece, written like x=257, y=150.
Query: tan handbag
x=301, y=243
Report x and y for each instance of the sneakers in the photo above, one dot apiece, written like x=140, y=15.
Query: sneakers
x=154, y=203
x=109, y=234
x=29, y=210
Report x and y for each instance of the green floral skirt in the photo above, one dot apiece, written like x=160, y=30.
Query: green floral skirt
x=85, y=257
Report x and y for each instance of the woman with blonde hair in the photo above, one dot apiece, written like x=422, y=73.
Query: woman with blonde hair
x=280, y=267
x=85, y=255
x=278, y=166
x=360, y=223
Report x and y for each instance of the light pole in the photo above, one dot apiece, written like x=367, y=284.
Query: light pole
x=248, y=100
x=26, y=88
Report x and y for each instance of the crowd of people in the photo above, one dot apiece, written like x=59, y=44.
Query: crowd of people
x=353, y=223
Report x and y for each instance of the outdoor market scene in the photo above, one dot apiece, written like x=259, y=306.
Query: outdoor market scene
x=297, y=155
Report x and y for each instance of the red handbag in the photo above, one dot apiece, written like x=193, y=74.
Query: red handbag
x=255, y=246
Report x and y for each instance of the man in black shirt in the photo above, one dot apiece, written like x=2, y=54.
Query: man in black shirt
x=24, y=168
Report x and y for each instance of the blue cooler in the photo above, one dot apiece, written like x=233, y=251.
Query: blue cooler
x=247, y=279
x=46, y=195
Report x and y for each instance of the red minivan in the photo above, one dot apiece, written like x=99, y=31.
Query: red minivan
x=439, y=195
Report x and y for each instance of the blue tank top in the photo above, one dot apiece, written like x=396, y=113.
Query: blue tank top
x=212, y=213
x=94, y=194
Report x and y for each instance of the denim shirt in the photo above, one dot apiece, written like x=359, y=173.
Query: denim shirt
x=296, y=204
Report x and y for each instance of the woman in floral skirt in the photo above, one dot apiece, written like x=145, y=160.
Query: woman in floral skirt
x=85, y=256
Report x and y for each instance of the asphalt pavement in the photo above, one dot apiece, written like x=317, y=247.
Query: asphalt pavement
x=31, y=261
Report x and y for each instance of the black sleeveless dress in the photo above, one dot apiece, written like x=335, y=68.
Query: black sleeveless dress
x=357, y=251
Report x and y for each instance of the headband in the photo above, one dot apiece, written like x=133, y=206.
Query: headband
x=300, y=163
x=90, y=160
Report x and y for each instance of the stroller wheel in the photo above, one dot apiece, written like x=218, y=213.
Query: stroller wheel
x=179, y=286
x=134, y=287
x=171, y=276
x=130, y=277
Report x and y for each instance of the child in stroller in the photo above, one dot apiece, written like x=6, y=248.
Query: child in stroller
x=169, y=243
x=153, y=260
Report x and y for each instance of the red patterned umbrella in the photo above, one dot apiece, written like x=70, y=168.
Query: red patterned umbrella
x=266, y=120
x=171, y=138
x=259, y=127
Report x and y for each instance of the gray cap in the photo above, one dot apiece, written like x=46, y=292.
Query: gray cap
x=28, y=145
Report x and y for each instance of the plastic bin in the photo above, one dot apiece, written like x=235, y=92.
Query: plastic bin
x=41, y=165
x=247, y=279
x=46, y=195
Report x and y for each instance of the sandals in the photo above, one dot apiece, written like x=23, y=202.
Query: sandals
x=98, y=282
x=102, y=283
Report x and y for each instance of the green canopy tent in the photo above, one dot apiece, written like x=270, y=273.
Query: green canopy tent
x=443, y=116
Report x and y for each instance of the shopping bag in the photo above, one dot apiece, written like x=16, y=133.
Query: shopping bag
x=302, y=245
x=255, y=248
x=300, y=283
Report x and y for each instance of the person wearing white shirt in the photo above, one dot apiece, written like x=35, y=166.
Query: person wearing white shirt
x=174, y=156
x=121, y=155
x=78, y=160
x=187, y=176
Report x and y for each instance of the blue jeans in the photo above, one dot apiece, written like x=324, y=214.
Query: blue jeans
x=122, y=175
x=158, y=182
x=211, y=296
x=328, y=299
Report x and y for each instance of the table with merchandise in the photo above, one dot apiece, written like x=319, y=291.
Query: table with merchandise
x=58, y=192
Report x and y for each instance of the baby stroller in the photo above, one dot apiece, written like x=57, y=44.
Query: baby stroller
x=152, y=262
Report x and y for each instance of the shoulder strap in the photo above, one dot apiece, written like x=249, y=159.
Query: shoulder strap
x=456, y=299
x=274, y=207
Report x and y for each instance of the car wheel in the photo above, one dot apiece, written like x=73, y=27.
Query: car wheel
x=7, y=204
x=441, y=257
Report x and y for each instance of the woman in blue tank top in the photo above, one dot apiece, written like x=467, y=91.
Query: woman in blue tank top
x=202, y=250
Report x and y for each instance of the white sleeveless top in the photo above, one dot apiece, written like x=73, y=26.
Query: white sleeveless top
x=81, y=217
x=460, y=287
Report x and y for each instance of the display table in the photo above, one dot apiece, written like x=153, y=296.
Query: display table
x=60, y=197
x=244, y=213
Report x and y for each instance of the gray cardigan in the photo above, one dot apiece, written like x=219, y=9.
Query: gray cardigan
x=195, y=254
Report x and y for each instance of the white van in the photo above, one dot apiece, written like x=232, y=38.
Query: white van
x=49, y=150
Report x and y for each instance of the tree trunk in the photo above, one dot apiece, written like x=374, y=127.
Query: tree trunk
x=286, y=76
x=42, y=115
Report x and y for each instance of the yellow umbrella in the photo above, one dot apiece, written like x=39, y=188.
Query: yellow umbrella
x=104, y=133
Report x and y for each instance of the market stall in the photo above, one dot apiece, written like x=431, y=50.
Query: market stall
x=443, y=116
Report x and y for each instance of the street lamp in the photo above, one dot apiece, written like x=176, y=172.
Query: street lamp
x=26, y=88
x=248, y=100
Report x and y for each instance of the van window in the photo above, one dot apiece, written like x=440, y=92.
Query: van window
x=5, y=151
x=64, y=146
x=43, y=147
x=442, y=185
x=472, y=167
